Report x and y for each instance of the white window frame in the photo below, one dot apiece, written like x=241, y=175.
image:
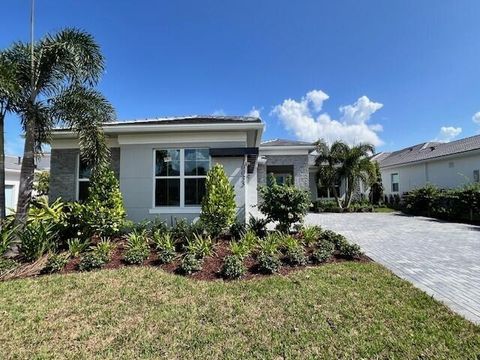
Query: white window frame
x=78, y=179
x=182, y=208
x=398, y=182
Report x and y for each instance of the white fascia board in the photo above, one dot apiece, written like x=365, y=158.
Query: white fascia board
x=285, y=150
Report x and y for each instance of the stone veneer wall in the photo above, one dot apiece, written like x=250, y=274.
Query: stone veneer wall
x=63, y=172
x=300, y=168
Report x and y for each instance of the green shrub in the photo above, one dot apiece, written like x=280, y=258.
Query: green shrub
x=268, y=263
x=258, y=226
x=349, y=250
x=7, y=237
x=42, y=184
x=310, y=234
x=190, y=264
x=104, y=248
x=284, y=203
x=268, y=257
x=237, y=230
x=36, y=239
x=104, y=206
x=136, y=255
x=55, y=263
x=7, y=265
x=250, y=240
x=201, y=246
x=294, y=251
x=218, y=204
x=165, y=246
x=336, y=239
x=77, y=246
x=137, y=248
x=91, y=261
x=323, y=251
x=233, y=267
x=182, y=231
x=240, y=249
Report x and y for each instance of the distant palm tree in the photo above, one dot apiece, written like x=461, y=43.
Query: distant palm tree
x=342, y=162
x=56, y=88
x=9, y=92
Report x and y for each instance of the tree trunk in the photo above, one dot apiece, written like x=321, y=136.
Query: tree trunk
x=3, y=211
x=26, y=175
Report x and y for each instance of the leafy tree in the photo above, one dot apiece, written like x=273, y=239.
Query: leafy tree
x=218, y=204
x=340, y=161
x=284, y=203
x=376, y=187
x=55, y=80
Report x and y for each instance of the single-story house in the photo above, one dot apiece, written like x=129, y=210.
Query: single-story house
x=446, y=165
x=162, y=163
x=13, y=166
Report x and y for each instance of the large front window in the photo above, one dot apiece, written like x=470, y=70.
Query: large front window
x=180, y=176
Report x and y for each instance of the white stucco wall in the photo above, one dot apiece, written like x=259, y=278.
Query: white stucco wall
x=12, y=181
x=448, y=172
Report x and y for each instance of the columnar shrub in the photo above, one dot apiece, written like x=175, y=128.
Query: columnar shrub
x=284, y=203
x=218, y=204
x=104, y=206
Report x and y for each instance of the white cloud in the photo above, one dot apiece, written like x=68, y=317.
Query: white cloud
x=254, y=112
x=317, y=97
x=476, y=118
x=448, y=133
x=305, y=120
x=219, y=112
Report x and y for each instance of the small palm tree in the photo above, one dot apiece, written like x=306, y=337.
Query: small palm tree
x=342, y=162
x=328, y=160
x=56, y=89
x=356, y=168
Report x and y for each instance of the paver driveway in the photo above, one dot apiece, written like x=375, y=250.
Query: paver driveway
x=443, y=259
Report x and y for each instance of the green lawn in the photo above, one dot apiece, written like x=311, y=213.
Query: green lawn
x=347, y=310
x=384, y=210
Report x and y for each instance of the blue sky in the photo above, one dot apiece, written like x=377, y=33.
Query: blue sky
x=390, y=72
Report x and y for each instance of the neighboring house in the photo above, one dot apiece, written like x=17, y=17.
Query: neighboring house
x=13, y=166
x=162, y=164
x=446, y=165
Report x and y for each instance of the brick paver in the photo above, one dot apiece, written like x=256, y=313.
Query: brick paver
x=442, y=259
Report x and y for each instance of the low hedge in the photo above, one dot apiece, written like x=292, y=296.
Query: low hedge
x=461, y=204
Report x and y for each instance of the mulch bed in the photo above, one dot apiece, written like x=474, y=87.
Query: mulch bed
x=211, y=265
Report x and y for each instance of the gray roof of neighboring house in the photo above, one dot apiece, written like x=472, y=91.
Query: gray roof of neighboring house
x=194, y=119
x=431, y=150
x=15, y=162
x=380, y=156
x=285, y=142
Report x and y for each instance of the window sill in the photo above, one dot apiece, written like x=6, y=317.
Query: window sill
x=176, y=210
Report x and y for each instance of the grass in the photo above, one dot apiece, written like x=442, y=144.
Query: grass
x=385, y=209
x=347, y=310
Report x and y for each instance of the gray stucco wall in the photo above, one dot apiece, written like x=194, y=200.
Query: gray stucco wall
x=300, y=168
x=137, y=184
x=63, y=172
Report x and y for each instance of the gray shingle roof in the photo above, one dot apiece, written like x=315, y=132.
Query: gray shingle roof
x=431, y=150
x=194, y=119
x=285, y=142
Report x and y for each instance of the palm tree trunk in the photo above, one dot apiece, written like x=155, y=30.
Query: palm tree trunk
x=26, y=175
x=3, y=211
